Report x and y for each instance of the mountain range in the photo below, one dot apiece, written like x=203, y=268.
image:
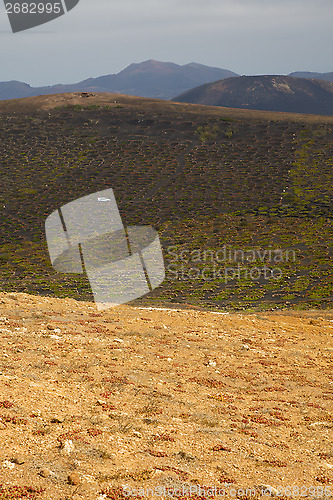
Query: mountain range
x=299, y=92
x=161, y=80
x=156, y=79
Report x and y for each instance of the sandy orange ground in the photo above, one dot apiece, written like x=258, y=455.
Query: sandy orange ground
x=141, y=398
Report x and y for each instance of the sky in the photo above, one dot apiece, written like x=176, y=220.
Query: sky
x=100, y=37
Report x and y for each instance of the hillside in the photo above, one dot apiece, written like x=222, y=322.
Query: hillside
x=312, y=75
x=171, y=399
x=14, y=90
x=209, y=179
x=147, y=79
x=271, y=93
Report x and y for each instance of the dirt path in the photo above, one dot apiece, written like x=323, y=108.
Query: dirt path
x=143, y=398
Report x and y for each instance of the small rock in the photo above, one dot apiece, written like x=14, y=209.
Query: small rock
x=184, y=456
x=57, y=420
x=101, y=402
x=137, y=434
x=45, y=472
x=19, y=460
x=74, y=479
x=67, y=446
x=50, y=327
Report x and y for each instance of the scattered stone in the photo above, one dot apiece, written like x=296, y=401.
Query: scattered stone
x=137, y=434
x=45, y=472
x=67, y=446
x=50, y=327
x=315, y=322
x=249, y=341
x=36, y=413
x=99, y=453
x=18, y=460
x=57, y=420
x=101, y=402
x=74, y=479
x=184, y=456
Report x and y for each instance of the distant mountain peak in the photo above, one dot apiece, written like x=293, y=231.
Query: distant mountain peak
x=157, y=79
x=150, y=64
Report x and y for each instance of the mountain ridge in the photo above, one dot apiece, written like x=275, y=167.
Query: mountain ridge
x=147, y=79
x=151, y=78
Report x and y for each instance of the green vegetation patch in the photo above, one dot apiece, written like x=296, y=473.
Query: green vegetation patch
x=267, y=187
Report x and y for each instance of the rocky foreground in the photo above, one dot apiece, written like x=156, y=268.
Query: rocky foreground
x=134, y=400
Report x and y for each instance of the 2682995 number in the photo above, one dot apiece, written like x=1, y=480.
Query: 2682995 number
x=33, y=8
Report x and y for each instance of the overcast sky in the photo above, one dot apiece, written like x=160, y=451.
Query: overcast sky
x=100, y=37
